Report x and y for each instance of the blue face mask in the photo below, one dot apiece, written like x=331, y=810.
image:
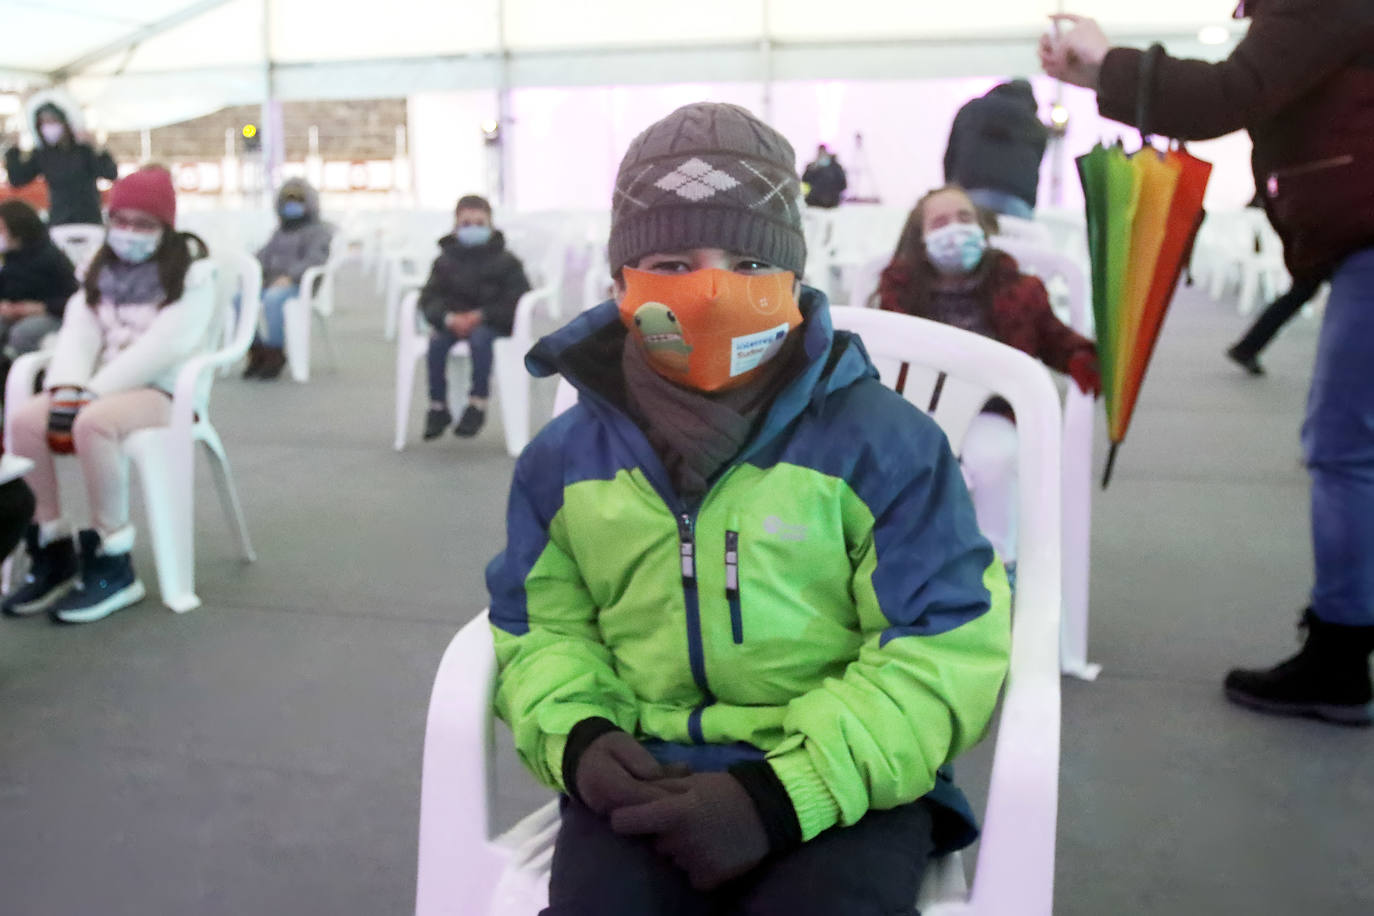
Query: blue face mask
x=956, y=248
x=133, y=246
x=292, y=209
x=472, y=236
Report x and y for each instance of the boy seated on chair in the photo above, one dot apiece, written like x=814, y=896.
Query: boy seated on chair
x=470, y=295
x=744, y=616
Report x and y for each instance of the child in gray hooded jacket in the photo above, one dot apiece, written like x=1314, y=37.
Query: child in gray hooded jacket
x=301, y=242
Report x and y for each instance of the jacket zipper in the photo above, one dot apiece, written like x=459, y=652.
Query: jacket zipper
x=732, y=586
x=1331, y=162
x=696, y=655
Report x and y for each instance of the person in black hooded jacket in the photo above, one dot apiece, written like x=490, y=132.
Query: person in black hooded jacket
x=995, y=147
x=67, y=161
x=470, y=295
x=36, y=280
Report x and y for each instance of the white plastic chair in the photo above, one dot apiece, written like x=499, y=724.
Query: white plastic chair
x=79, y=242
x=1080, y=415
x=165, y=456
x=865, y=280
x=313, y=305
x=512, y=381
x=464, y=870
x=405, y=271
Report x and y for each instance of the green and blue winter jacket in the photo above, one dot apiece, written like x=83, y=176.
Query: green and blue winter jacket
x=829, y=605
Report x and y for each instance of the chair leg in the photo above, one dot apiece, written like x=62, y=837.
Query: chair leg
x=514, y=384
x=297, y=327
x=228, y=493
x=327, y=339
x=1076, y=496
x=168, y=502
x=406, y=361
x=392, y=320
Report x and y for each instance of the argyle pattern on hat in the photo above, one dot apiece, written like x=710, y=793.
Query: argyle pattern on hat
x=709, y=176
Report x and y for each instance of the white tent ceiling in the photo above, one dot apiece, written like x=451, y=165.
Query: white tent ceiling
x=145, y=62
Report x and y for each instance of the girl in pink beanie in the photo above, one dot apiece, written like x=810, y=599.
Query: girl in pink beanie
x=145, y=308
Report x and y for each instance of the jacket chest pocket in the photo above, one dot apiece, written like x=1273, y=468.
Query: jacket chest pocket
x=783, y=583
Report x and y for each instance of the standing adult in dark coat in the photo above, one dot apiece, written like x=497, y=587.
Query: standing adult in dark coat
x=1302, y=83
x=66, y=159
x=825, y=179
x=995, y=147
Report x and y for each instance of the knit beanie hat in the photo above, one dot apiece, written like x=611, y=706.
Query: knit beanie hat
x=709, y=175
x=150, y=190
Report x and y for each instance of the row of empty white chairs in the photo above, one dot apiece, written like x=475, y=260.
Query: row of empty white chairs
x=1238, y=252
x=165, y=456
x=463, y=869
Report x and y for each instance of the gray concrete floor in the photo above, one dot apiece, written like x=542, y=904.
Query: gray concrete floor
x=261, y=755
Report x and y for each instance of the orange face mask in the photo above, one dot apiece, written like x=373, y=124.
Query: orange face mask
x=709, y=329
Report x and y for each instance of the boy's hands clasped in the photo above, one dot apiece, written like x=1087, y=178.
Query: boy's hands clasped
x=706, y=823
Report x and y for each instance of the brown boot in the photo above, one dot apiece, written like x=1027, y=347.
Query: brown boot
x=254, y=361
x=273, y=361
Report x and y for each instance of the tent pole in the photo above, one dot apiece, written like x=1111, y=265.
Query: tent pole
x=766, y=61
x=273, y=143
x=504, y=192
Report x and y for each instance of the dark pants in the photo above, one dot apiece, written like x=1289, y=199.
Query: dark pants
x=480, y=343
x=1338, y=442
x=1275, y=317
x=871, y=869
x=16, y=514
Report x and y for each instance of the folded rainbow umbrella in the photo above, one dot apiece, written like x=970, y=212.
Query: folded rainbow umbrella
x=1143, y=213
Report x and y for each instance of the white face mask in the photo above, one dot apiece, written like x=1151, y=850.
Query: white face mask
x=956, y=248
x=133, y=246
x=52, y=133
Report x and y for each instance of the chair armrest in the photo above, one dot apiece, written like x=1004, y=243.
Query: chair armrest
x=188, y=395
x=311, y=281
x=535, y=299
x=456, y=855
x=19, y=386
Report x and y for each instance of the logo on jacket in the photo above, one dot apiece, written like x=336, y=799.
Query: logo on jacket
x=784, y=532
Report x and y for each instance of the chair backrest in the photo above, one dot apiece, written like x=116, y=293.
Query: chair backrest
x=79, y=242
x=1054, y=268
x=1029, y=230
x=238, y=275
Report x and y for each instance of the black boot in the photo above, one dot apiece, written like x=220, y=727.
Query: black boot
x=437, y=419
x=1328, y=679
x=254, y=361
x=1245, y=359
x=470, y=423
x=52, y=573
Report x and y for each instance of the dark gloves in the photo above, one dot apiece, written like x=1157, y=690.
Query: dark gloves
x=1084, y=371
x=709, y=826
x=606, y=768
x=66, y=404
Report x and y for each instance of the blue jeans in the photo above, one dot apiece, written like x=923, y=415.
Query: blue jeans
x=1001, y=202
x=274, y=300
x=1338, y=442
x=480, y=343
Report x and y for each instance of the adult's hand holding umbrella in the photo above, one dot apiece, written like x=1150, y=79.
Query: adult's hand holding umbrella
x=1074, y=56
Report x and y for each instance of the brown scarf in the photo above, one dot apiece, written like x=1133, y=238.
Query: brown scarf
x=697, y=434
